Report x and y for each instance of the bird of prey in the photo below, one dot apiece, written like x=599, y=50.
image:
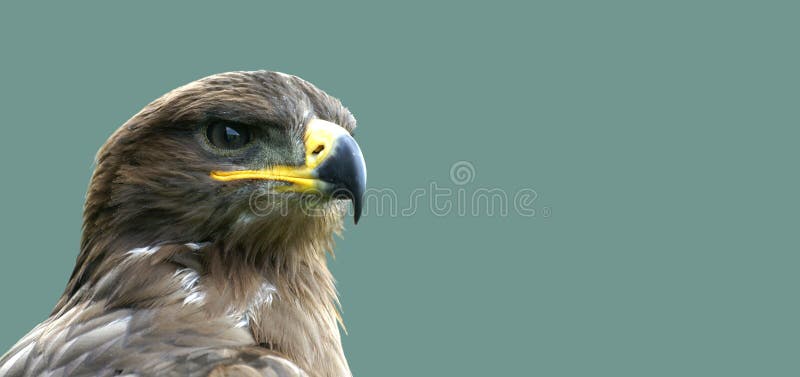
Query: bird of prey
x=206, y=228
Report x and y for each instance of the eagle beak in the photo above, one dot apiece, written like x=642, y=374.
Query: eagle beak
x=334, y=167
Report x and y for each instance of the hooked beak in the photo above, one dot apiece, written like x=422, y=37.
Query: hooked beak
x=334, y=167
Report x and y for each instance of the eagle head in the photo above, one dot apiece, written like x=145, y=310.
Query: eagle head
x=260, y=159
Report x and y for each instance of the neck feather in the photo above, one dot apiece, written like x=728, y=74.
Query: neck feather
x=276, y=283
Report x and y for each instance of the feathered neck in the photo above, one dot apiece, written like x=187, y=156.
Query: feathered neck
x=288, y=300
x=270, y=274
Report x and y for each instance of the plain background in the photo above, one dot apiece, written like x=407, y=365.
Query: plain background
x=661, y=139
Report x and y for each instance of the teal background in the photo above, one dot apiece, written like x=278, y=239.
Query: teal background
x=662, y=138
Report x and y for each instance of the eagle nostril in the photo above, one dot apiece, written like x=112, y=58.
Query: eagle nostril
x=318, y=149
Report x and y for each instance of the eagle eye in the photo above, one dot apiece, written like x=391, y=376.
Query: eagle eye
x=228, y=136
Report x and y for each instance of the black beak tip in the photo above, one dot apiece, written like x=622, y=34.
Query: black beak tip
x=358, y=186
x=356, y=195
x=347, y=171
x=357, y=211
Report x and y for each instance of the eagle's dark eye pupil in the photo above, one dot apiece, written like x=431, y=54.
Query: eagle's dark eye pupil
x=227, y=136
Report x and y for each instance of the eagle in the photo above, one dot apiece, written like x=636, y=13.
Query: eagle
x=207, y=225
